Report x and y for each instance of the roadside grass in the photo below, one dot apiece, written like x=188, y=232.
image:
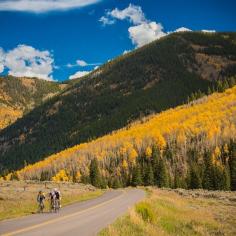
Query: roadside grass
x=165, y=212
x=19, y=198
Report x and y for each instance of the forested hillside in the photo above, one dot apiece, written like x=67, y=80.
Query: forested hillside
x=168, y=72
x=191, y=146
x=20, y=95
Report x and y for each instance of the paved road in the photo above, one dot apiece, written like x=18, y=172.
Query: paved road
x=80, y=219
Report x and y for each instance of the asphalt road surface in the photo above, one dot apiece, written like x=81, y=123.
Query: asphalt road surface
x=80, y=219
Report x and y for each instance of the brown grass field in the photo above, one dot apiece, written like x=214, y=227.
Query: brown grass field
x=179, y=212
x=19, y=198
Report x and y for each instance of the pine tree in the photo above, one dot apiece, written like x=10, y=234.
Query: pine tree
x=232, y=164
x=154, y=162
x=136, y=177
x=195, y=179
x=149, y=175
x=94, y=174
x=218, y=178
x=208, y=176
x=176, y=179
x=226, y=178
x=162, y=176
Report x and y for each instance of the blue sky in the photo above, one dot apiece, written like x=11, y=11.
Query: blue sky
x=56, y=44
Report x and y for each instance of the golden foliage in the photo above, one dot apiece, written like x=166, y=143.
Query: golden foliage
x=148, y=152
x=208, y=122
x=60, y=176
x=125, y=164
x=8, y=115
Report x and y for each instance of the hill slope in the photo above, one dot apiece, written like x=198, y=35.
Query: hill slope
x=20, y=95
x=153, y=78
x=199, y=137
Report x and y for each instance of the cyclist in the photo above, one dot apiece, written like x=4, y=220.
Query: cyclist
x=40, y=200
x=57, y=197
x=52, y=200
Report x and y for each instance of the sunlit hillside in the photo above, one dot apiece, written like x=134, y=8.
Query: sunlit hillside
x=188, y=144
x=20, y=95
x=156, y=77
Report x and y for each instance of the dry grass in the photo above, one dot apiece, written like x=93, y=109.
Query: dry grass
x=19, y=198
x=180, y=212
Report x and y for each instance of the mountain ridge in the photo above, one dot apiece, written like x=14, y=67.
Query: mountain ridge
x=151, y=79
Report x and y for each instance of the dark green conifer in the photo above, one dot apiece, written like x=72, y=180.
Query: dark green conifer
x=149, y=176
x=94, y=173
x=136, y=176
x=208, y=176
x=162, y=176
x=195, y=179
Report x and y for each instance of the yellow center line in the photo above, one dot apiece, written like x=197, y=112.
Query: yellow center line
x=60, y=218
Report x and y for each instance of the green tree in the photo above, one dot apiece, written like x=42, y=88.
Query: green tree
x=195, y=179
x=208, y=176
x=218, y=176
x=149, y=175
x=116, y=183
x=94, y=173
x=136, y=177
x=162, y=176
x=226, y=178
x=177, y=181
x=232, y=164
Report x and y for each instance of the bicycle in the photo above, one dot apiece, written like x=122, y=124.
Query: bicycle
x=55, y=205
x=41, y=207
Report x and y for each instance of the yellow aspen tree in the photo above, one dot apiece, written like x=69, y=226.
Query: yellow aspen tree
x=148, y=152
x=61, y=176
x=133, y=155
x=78, y=176
x=124, y=164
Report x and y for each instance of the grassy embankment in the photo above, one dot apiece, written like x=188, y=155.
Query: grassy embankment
x=179, y=212
x=19, y=198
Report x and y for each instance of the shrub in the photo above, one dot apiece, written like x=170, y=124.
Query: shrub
x=144, y=209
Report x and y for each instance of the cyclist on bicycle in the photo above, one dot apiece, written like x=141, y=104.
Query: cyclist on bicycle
x=57, y=197
x=52, y=199
x=40, y=200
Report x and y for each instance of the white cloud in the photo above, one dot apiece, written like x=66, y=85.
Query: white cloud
x=208, y=31
x=182, y=29
x=81, y=63
x=69, y=65
x=2, y=58
x=79, y=74
x=145, y=33
x=29, y=62
x=41, y=6
x=96, y=67
x=133, y=13
x=142, y=31
x=106, y=21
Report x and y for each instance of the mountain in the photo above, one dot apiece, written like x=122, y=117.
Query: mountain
x=191, y=146
x=20, y=95
x=161, y=75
